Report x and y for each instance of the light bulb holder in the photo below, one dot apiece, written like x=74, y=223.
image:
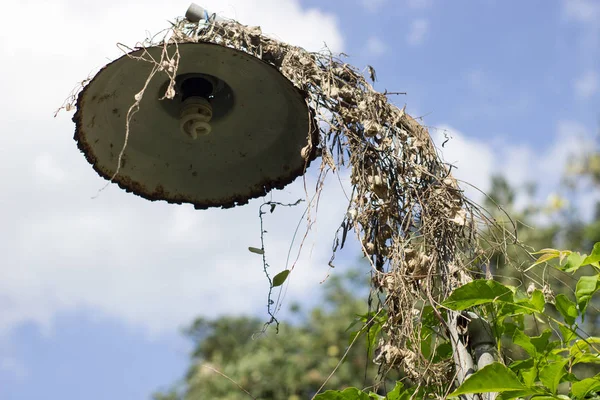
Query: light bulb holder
x=196, y=112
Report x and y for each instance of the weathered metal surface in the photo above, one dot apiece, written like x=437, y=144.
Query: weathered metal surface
x=253, y=149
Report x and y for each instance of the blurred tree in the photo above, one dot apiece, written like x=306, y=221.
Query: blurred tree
x=583, y=175
x=290, y=365
x=554, y=223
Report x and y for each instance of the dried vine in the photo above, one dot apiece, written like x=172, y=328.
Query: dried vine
x=413, y=221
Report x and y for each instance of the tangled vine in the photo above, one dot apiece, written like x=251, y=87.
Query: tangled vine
x=413, y=221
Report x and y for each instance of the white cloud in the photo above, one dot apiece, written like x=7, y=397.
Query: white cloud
x=477, y=160
x=473, y=159
x=151, y=265
x=418, y=32
x=286, y=20
x=587, y=11
x=375, y=46
x=587, y=85
x=46, y=167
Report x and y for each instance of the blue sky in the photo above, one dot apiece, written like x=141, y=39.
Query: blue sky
x=94, y=292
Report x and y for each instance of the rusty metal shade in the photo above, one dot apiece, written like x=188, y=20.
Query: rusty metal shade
x=251, y=143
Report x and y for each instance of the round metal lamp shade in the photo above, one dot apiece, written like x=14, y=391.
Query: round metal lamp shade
x=260, y=124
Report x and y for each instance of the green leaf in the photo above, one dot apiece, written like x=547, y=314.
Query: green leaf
x=372, y=331
x=476, y=293
x=533, y=344
x=541, y=342
x=567, y=308
x=582, y=388
x=372, y=337
x=426, y=346
x=491, y=378
x=517, y=394
x=346, y=394
x=574, y=261
x=522, y=304
x=567, y=334
x=508, y=328
x=428, y=317
x=280, y=278
x=522, y=364
x=585, y=289
x=537, y=300
x=545, y=258
x=524, y=341
x=256, y=250
x=353, y=324
x=547, y=251
x=569, y=377
x=551, y=375
x=585, y=346
x=594, y=257
x=518, y=320
x=529, y=376
x=443, y=352
x=399, y=393
x=587, y=359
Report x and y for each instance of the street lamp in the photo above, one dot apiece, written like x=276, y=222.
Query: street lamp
x=218, y=113
x=234, y=129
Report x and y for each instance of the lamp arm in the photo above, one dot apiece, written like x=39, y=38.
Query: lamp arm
x=463, y=359
x=482, y=343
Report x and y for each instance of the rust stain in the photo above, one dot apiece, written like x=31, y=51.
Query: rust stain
x=104, y=97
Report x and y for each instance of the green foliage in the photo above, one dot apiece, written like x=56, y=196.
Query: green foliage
x=398, y=393
x=593, y=258
x=567, y=308
x=539, y=331
x=585, y=289
x=346, y=394
x=546, y=369
x=581, y=389
x=280, y=366
x=293, y=364
x=549, y=358
x=477, y=293
x=492, y=378
x=280, y=278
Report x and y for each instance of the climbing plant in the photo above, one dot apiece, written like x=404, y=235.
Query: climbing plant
x=554, y=350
